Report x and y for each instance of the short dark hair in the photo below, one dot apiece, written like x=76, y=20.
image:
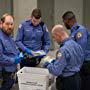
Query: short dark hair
x=36, y=13
x=4, y=16
x=68, y=15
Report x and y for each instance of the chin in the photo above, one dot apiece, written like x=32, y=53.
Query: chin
x=9, y=33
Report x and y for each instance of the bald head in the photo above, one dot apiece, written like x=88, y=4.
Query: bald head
x=58, y=29
x=59, y=33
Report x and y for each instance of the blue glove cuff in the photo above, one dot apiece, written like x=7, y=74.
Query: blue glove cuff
x=17, y=60
x=46, y=64
x=29, y=51
x=53, y=61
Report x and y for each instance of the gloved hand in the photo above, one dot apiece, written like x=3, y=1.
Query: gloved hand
x=30, y=52
x=53, y=61
x=19, y=58
x=39, y=53
x=46, y=64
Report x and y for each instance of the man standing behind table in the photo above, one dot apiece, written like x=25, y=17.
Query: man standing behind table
x=33, y=35
x=80, y=34
x=9, y=54
x=69, y=59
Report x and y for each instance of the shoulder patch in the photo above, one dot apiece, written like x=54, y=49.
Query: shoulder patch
x=59, y=54
x=79, y=35
x=20, y=25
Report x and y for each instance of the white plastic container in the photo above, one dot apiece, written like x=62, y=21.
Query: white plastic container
x=32, y=78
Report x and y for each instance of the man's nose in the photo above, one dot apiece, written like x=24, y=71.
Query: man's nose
x=10, y=26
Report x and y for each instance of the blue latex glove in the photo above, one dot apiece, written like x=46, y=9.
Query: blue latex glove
x=19, y=58
x=46, y=64
x=29, y=52
x=53, y=61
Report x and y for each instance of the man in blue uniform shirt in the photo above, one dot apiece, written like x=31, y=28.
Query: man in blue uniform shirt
x=9, y=54
x=80, y=35
x=33, y=35
x=69, y=59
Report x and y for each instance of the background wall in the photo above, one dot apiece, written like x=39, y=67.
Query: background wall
x=6, y=6
x=47, y=9
x=62, y=6
x=22, y=10
x=86, y=13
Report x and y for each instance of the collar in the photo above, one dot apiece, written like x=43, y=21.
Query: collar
x=74, y=27
x=5, y=34
x=30, y=22
x=63, y=42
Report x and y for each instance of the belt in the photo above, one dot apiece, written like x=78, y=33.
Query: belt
x=72, y=76
x=86, y=61
x=76, y=74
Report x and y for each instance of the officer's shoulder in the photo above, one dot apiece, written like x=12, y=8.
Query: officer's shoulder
x=67, y=46
x=81, y=31
x=62, y=49
x=25, y=22
x=81, y=27
x=28, y=20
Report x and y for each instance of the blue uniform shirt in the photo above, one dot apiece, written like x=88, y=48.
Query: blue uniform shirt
x=33, y=37
x=79, y=34
x=8, y=51
x=69, y=59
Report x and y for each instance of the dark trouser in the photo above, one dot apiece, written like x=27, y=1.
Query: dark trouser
x=30, y=62
x=8, y=80
x=85, y=76
x=68, y=83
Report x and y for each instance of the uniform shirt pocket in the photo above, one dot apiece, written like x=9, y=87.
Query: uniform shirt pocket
x=8, y=46
x=39, y=34
x=28, y=32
